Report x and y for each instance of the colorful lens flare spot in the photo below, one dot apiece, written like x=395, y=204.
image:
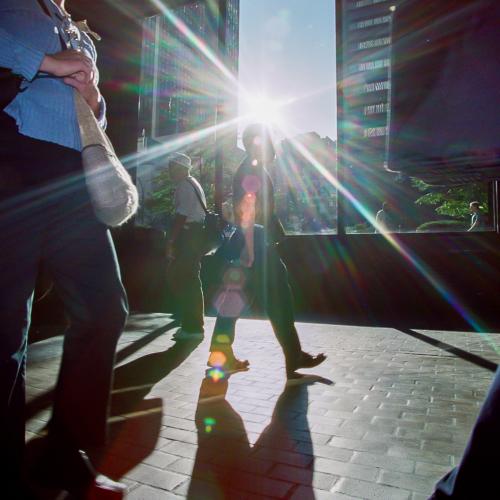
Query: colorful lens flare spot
x=222, y=338
x=216, y=374
x=230, y=303
x=209, y=424
x=217, y=359
x=235, y=275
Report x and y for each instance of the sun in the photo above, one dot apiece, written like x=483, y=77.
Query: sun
x=263, y=109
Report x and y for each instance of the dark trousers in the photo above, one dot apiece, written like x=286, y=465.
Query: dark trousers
x=45, y=215
x=184, y=280
x=266, y=282
x=475, y=476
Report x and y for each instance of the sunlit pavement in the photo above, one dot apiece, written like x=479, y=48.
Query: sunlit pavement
x=384, y=417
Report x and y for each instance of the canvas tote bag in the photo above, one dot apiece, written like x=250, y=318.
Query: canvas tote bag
x=112, y=192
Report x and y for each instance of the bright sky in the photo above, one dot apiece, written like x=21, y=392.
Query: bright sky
x=287, y=51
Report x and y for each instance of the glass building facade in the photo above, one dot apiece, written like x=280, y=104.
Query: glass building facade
x=180, y=86
x=366, y=42
x=190, y=82
x=366, y=84
x=185, y=77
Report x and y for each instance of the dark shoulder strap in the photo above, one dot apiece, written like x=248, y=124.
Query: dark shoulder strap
x=198, y=196
x=44, y=7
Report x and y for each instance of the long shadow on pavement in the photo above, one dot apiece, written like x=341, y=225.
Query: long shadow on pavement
x=45, y=399
x=134, y=437
x=227, y=466
x=465, y=355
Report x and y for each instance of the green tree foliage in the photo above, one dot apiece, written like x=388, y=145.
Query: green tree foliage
x=162, y=200
x=452, y=201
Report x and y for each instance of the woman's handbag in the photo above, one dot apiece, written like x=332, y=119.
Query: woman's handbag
x=112, y=192
x=213, y=228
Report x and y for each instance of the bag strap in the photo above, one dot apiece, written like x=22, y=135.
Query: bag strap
x=44, y=7
x=91, y=133
x=199, y=197
x=50, y=9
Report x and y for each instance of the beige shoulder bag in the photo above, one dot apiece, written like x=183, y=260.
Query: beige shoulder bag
x=112, y=192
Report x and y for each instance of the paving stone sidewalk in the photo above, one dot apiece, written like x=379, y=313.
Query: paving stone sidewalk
x=383, y=418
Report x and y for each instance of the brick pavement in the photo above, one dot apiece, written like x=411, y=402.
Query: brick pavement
x=384, y=417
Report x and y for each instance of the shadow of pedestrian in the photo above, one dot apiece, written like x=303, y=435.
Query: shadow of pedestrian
x=227, y=466
x=44, y=350
x=137, y=420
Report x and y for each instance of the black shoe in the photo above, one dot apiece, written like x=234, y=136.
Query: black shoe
x=305, y=360
x=70, y=469
x=227, y=362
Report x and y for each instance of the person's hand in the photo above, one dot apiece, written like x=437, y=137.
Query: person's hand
x=68, y=63
x=88, y=90
x=247, y=257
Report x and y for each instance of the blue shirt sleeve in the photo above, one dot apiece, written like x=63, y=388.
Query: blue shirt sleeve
x=23, y=44
x=21, y=58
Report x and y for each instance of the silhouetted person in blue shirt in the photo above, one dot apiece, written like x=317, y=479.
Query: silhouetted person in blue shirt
x=257, y=271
